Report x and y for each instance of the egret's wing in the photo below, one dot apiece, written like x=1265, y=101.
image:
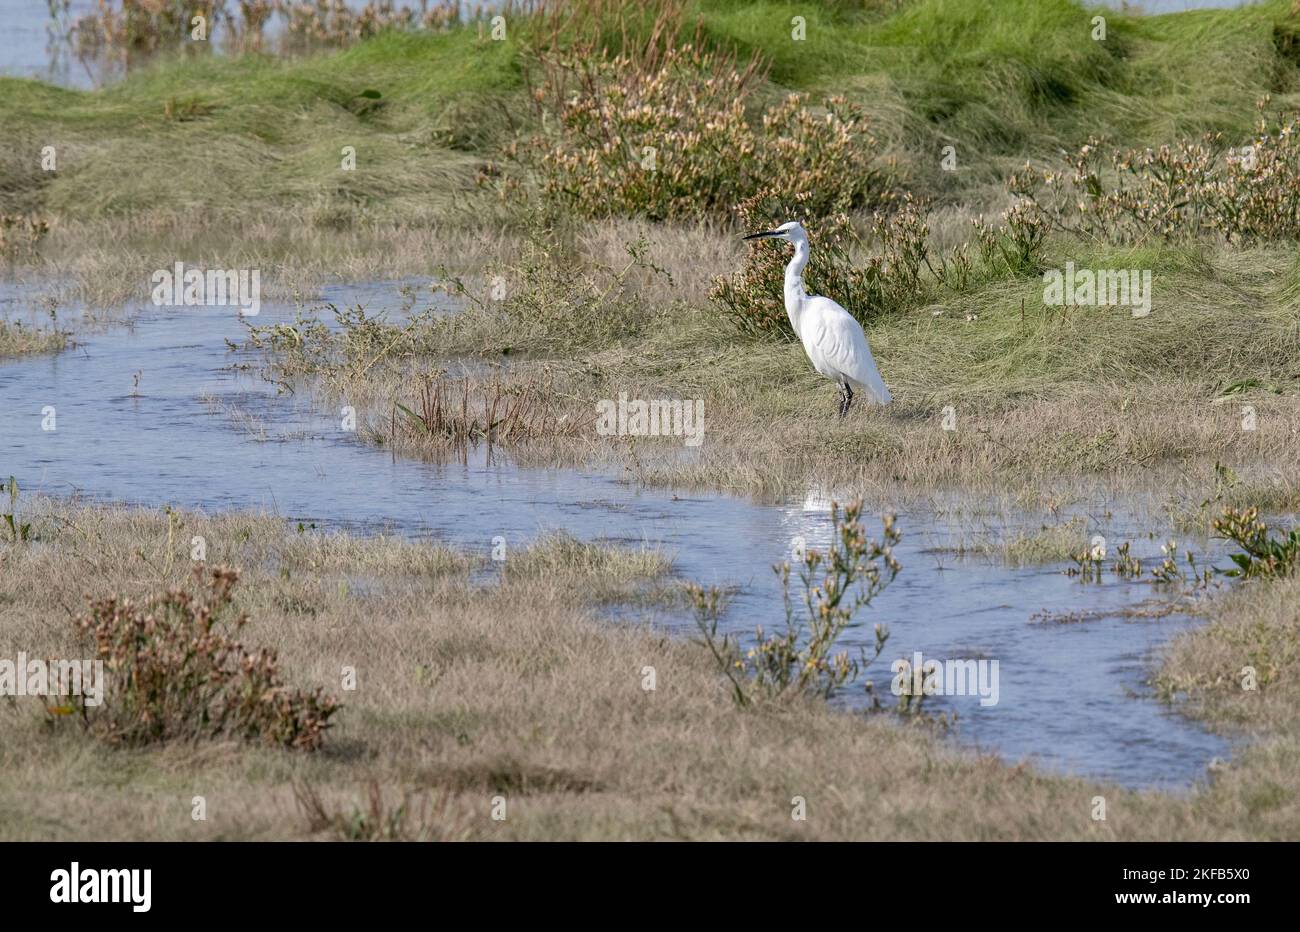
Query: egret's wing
x=840, y=341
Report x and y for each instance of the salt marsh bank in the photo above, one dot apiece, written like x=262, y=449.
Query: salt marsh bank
x=171, y=411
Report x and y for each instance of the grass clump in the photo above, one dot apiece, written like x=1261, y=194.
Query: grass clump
x=17, y=340
x=463, y=412
x=1048, y=543
x=179, y=674
x=605, y=574
x=309, y=345
x=380, y=557
x=562, y=554
x=548, y=300
x=417, y=816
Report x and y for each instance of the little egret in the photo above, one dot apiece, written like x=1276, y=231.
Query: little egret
x=831, y=337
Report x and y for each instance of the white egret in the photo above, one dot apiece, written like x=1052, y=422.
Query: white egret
x=831, y=337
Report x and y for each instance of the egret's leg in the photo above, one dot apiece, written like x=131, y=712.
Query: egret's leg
x=848, y=400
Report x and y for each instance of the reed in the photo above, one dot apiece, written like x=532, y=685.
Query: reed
x=465, y=412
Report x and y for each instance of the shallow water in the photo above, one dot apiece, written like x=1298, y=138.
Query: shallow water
x=25, y=47
x=1065, y=690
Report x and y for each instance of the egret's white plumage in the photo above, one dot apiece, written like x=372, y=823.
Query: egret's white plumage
x=831, y=337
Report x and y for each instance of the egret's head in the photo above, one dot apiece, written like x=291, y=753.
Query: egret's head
x=791, y=231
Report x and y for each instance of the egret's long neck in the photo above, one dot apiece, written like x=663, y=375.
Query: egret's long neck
x=794, y=291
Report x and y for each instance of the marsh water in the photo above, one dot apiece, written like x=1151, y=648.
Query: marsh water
x=165, y=412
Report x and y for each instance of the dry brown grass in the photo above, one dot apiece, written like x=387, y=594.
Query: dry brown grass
x=1042, y=443
x=1251, y=637
x=105, y=264
x=693, y=254
x=513, y=689
x=1255, y=627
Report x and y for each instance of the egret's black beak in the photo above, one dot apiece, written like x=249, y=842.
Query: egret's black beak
x=765, y=235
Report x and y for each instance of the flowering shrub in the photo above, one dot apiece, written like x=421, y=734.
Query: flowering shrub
x=1192, y=189
x=176, y=671
x=1015, y=247
x=671, y=139
x=1261, y=553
